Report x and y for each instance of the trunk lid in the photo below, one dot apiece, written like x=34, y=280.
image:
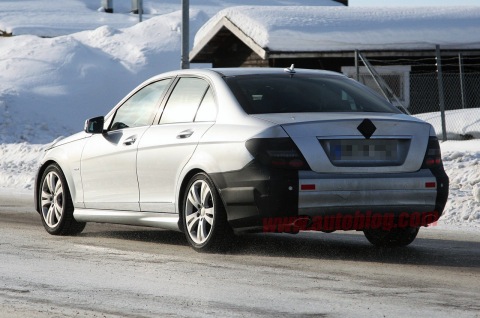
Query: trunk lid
x=357, y=142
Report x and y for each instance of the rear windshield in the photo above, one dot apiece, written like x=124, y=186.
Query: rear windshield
x=283, y=93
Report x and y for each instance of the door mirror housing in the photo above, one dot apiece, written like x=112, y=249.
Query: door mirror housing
x=94, y=125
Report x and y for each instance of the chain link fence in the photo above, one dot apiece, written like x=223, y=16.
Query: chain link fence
x=415, y=85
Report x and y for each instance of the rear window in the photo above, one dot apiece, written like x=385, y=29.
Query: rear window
x=283, y=93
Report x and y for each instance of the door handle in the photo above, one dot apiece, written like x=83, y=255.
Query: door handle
x=130, y=141
x=185, y=134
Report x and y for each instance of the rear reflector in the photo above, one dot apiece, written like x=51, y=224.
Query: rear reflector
x=430, y=185
x=307, y=187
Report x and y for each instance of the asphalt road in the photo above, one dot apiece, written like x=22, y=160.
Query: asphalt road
x=111, y=271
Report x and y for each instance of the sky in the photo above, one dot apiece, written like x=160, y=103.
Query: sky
x=417, y=3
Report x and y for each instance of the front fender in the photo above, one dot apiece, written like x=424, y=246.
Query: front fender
x=67, y=157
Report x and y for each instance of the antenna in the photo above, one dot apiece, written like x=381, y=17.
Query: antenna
x=291, y=69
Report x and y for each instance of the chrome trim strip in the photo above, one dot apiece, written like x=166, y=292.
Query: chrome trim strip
x=168, y=221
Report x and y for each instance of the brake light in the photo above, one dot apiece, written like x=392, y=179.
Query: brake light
x=433, y=155
x=277, y=152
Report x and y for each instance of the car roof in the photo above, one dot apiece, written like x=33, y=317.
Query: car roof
x=238, y=71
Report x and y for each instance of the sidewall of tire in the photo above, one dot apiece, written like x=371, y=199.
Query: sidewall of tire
x=67, y=224
x=221, y=232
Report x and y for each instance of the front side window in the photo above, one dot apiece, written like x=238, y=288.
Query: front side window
x=264, y=94
x=139, y=109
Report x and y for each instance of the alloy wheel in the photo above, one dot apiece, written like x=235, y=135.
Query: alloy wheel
x=52, y=199
x=199, y=211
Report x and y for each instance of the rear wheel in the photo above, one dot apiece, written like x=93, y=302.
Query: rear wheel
x=393, y=238
x=56, y=205
x=204, y=217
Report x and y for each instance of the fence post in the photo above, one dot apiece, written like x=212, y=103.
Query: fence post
x=462, y=80
x=441, y=96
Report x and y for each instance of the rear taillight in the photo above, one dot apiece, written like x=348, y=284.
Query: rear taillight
x=277, y=153
x=433, y=156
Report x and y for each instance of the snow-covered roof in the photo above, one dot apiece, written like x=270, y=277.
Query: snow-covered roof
x=327, y=29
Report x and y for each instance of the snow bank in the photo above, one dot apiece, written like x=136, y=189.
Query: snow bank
x=18, y=165
x=50, y=86
x=55, y=18
x=462, y=164
x=461, y=123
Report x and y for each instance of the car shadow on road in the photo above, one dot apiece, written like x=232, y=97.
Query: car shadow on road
x=317, y=245
x=355, y=247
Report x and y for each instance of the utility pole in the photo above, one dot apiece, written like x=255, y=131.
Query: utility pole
x=140, y=10
x=185, y=63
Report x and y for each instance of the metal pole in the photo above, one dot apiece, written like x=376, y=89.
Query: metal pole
x=140, y=10
x=370, y=70
x=185, y=63
x=357, y=67
x=462, y=80
x=441, y=92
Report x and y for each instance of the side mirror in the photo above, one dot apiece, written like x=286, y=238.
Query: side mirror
x=94, y=125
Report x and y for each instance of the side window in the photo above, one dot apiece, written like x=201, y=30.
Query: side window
x=208, y=109
x=140, y=108
x=184, y=101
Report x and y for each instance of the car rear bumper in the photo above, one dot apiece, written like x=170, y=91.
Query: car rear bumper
x=255, y=195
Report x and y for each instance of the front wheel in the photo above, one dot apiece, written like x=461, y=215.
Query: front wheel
x=56, y=205
x=204, y=217
x=393, y=238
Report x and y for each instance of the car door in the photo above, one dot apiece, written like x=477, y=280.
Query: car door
x=165, y=148
x=108, y=164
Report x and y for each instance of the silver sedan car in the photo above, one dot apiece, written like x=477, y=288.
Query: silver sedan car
x=219, y=152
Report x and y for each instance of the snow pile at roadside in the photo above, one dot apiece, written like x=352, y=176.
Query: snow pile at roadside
x=50, y=86
x=18, y=165
x=55, y=18
x=462, y=164
x=461, y=123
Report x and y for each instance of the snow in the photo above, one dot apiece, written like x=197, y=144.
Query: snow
x=350, y=28
x=49, y=86
x=461, y=123
x=54, y=18
x=462, y=164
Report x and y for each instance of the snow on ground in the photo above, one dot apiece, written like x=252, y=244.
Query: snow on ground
x=49, y=86
x=461, y=124
x=462, y=164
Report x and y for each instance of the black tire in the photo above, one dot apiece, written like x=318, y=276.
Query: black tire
x=55, y=203
x=203, y=216
x=393, y=238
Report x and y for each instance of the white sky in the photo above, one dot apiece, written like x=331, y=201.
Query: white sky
x=391, y=3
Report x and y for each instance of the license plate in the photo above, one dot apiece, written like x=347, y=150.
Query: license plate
x=366, y=152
